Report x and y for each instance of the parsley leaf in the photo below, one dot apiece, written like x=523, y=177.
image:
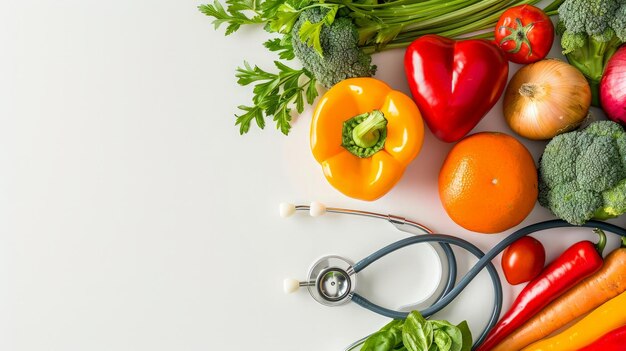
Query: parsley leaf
x=275, y=95
x=282, y=46
x=233, y=15
x=310, y=32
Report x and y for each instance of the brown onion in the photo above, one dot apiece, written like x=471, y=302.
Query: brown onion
x=546, y=98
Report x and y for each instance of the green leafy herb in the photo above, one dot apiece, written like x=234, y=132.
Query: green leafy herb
x=418, y=334
x=274, y=95
x=282, y=46
x=387, y=338
x=350, y=30
x=466, y=334
x=234, y=16
x=309, y=33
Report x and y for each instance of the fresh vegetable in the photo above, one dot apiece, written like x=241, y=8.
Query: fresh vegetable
x=364, y=134
x=590, y=293
x=546, y=98
x=523, y=260
x=610, y=315
x=591, y=31
x=454, y=83
x=615, y=340
x=613, y=87
x=342, y=57
x=418, y=334
x=343, y=33
x=525, y=33
x=488, y=182
x=582, y=174
x=575, y=264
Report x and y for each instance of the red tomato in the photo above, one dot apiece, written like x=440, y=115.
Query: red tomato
x=523, y=260
x=525, y=34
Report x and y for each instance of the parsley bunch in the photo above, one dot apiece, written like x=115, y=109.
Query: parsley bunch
x=377, y=25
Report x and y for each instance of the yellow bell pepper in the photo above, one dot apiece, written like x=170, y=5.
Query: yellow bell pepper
x=611, y=315
x=364, y=134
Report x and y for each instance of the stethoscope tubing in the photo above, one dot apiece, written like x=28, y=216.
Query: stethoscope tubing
x=446, y=298
x=450, y=291
x=484, y=261
x=398, y=222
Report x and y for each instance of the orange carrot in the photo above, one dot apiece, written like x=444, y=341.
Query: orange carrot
x=590, y=293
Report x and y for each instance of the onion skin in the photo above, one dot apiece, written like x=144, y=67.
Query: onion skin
x=613, y=87
x=546, y=98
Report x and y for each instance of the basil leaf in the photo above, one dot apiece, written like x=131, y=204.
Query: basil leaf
x=466, y=336
x=394, y=324
x=440, y=324
x=417, y=334
x=442, y=340
x=384, y=340
x=447, y=332
x=388, y=338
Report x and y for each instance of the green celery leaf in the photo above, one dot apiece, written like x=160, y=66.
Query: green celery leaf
x=387, y=34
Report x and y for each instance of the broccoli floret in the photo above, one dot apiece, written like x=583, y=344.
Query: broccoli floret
x=582, y=174
x=591, y=31
x=342, y=57
x=618, y=22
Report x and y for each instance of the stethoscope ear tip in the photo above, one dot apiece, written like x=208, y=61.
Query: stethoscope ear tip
x=287, y=209
x=290, y=285
x=317, y=209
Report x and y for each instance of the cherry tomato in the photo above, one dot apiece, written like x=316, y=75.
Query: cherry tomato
x=523, y=260
x=525, y=34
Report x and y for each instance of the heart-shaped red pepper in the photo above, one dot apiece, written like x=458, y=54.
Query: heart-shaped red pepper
x=454, y=83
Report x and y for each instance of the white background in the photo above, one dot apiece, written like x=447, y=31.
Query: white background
x=134, y=217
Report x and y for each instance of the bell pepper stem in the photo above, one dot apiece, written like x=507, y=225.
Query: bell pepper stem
x=601, y=241
x=367, y=133
x=623, y=245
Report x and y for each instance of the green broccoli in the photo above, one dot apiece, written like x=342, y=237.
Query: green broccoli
x=342, y=57
x=591, y=31
x=582, y=174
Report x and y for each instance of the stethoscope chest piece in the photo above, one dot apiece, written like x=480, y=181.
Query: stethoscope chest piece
x=331, y=280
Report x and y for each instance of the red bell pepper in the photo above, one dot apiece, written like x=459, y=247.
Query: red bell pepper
x=577, y=262
x=454, y=83
x=612, y=341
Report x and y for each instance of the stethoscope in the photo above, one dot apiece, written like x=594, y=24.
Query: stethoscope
x=332, y=279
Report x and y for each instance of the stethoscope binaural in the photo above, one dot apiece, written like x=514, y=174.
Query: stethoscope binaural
x=332, y=279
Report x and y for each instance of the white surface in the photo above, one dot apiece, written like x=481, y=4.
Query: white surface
x=134, y=217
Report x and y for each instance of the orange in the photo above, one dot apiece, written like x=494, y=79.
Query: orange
x=488, y=182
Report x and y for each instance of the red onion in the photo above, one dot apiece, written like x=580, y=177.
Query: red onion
x=613, y=87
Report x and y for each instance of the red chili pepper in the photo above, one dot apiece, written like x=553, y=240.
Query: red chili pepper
x=612, y=341
x=576, y=263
